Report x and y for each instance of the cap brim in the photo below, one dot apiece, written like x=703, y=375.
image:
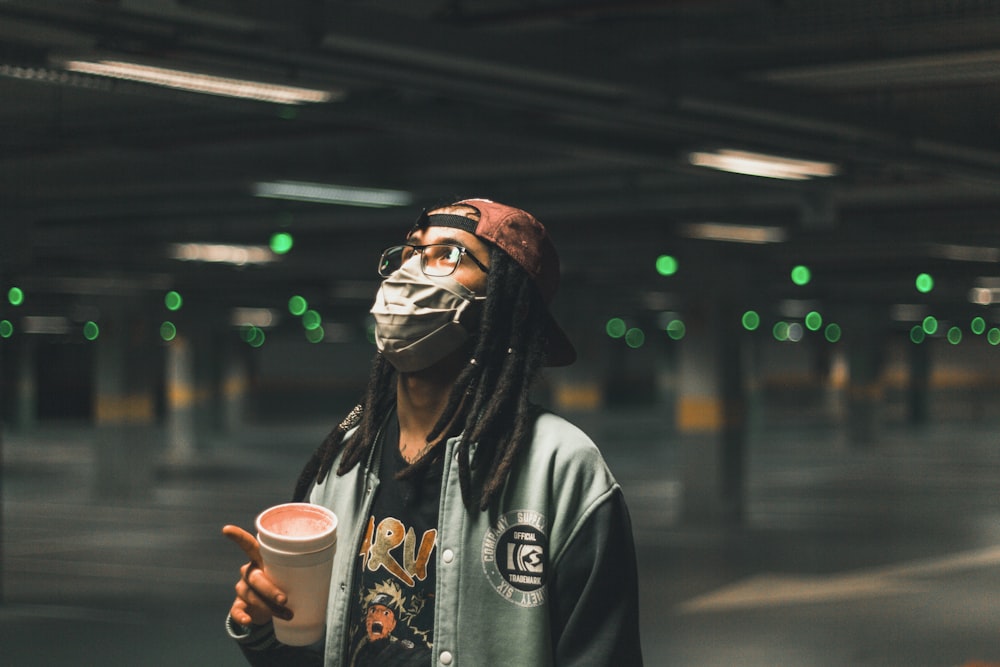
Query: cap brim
x=559, y=351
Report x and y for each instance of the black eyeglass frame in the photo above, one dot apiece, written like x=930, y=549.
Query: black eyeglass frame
x=419, y=249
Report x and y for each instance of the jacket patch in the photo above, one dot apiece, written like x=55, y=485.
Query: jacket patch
x=515, y=557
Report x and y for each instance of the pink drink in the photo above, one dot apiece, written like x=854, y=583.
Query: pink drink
x=297, y=545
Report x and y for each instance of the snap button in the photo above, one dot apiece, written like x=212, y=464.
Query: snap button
x=448, y=555
x=445, y=657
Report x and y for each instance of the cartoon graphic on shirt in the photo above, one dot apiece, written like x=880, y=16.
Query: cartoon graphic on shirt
x=394, y=617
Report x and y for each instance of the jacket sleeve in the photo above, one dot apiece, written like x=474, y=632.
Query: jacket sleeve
x=262, y=649
x=596, y=591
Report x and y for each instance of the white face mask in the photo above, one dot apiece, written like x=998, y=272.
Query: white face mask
x=419, y=319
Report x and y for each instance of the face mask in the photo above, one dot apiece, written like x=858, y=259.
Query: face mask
x=420, y=319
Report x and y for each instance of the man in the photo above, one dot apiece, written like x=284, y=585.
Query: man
x=498, y=524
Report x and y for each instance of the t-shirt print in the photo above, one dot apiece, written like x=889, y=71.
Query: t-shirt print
x=392, y=619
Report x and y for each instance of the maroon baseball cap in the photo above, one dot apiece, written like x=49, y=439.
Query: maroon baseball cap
x=526, y=241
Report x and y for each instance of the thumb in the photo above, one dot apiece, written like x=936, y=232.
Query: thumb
x=245, y=541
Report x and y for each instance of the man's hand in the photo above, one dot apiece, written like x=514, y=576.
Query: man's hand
x=257, y=598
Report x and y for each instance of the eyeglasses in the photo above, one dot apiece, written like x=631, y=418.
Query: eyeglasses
x=437, y=259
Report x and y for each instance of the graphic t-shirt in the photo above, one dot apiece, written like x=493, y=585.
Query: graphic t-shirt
x=392, y=619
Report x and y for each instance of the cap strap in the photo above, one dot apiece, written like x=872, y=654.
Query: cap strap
x=451, y=220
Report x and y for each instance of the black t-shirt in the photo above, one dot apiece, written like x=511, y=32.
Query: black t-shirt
x=392, y=619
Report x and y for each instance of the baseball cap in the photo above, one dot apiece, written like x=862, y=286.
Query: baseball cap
x=526, y=241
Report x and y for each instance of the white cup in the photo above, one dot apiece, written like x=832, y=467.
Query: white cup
x=297, y=544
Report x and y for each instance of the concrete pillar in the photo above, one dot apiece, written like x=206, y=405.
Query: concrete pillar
x=206, y=382
x=235, y=388
x=126, y=371
x=865, y=333
x=918, y=389
x=26, y=404
x=181, y=436
x=712, y=414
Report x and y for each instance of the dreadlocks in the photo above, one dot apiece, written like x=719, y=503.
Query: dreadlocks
x=489, y=397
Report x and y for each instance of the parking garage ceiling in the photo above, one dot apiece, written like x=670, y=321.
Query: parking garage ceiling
x=588, y=113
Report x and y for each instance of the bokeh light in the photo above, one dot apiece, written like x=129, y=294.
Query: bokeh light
x=91, y=331
x=917, y=334
x=615, y=327
x=15, y=295
x=6, y=329
x=676, y=329
x=954, y=335
x=751, y=320
x=924, y=283
x=801, y=275
x=311, y=320
x=930, y=325
x=635, y=337
x=832, y=333
x=297, y=305
x=814, y=321
x=666, y=265
x=978, y=325
x=173, y=301
x=780, y=331
x=281, y=243
x=168, y=331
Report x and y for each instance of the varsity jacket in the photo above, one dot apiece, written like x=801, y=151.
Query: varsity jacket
x=546, y=576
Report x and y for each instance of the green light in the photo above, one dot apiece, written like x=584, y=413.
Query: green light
x=814, y=321
x=297, y=305
x=281, y=243
x=168, y=331
x=370, y=333
x=978, y=325
x=801, y=275
x=676, y=330
x=930, y=325
x=924, y=283
x=173, y=301
x=6, y=329
x=315, y=335
x=993, y=336
x=288, y=113
x=751, y=320
x=780, y=331
x=311, y=320
x=954, y=335
x=252, y=336
x=917, y=334
x=832, y=332
x=16, y=296
x=634, y=338
x=91, y=331
x=666, y=265
x=615, y=327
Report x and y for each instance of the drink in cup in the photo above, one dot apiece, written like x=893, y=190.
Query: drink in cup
x=297, y=544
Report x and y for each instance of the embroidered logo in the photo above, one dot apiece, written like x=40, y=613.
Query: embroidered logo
x=515, y=557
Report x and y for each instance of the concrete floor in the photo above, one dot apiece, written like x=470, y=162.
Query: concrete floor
x=884, y=556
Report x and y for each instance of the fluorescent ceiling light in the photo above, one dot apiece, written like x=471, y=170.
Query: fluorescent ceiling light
x=332, y=194
x=239, y=255
x=199, y=83
x=761, y=164
x=45, y=324
x=965, y=253
x=258, y=317
x=986, y=291
x=717, y=231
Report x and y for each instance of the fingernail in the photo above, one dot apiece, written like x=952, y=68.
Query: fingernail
x=281, y=599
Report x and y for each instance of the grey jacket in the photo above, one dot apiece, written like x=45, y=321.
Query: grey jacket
x=545, y=576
